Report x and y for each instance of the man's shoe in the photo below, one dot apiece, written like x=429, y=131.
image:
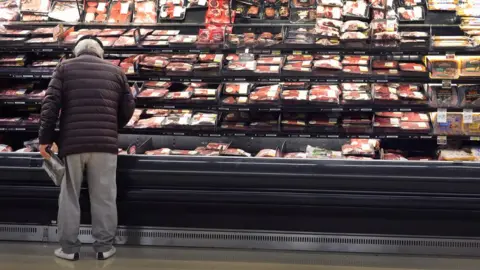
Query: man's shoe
x=107, y=254
x=69, y=257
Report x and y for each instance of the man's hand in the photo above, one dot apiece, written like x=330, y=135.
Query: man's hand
x=43, y=151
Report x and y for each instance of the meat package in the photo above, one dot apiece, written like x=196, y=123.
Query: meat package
x=96, y=11
x=268, y=93
x=327, y=64
x=363, y=60
x=172, y=12
x=412, y=67
x=295, y=95
x=108, y=41
x=145, y=12
x=153, y=93
x=329, y=12
x=361, y=147
x=39, y=6
x=120, y=12
x=179, y=67
x=108, y=32
x=204, y=119
x=356, y=9
x=66, y=11
x=237, y=88
x=124, y=41
x=411, y=13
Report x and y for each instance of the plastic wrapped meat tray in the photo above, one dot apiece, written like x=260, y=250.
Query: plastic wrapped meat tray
x=145, y=12
x=40, y=6
x=153, y=93
x=415, y=127
x=269, y=93
x=65, y=11
x=361, y=147
x=204, y=119
x=237, y=88
x=108, y=41
x=108, y=32
x=295, y=95
x=96, y=11
x=120, y=12
x=124, y=41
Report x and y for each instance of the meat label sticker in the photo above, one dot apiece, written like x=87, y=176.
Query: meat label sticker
x=418, y=68
x=124, y=8
x=441, y=115
x=467, y=116
x=101, y=7
x=202, y=2
x=218, y=58
x=149, y=7
x=177, y=12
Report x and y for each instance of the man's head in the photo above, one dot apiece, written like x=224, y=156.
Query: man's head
x=88, y=46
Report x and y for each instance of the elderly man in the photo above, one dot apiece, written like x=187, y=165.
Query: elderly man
x=95, y=100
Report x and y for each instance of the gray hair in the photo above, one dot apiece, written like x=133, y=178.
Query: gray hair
x=88, y=46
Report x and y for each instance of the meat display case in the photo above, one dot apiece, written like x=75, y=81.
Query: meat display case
x=427, y=68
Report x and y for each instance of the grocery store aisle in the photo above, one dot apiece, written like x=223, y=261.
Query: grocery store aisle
x=20, y=256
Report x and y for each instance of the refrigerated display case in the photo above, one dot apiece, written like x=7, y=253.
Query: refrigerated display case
x=314, y=116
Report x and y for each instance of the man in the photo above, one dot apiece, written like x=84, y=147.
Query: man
x=95, y=100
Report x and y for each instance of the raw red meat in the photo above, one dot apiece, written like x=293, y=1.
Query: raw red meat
x=153, y=93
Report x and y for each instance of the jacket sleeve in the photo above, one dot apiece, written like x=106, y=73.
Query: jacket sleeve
x=51, y=105
x=126, y=104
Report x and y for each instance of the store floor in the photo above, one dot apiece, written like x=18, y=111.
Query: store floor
x=22, y=256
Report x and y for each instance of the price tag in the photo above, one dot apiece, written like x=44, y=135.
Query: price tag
x=447, y=84
x=474, y=138
x=102, y=6
x=450, y=55
x=441, y=115
x=202, y=2
x=124, y=8
x=297, y=52
x=177, y=12
x=442, y=140
x=276, y=52
x=467, y=116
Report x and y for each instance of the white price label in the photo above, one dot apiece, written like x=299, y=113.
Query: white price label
x=442, y=140
x=124, y=8
x=441, y=115
x=202, y=2
x=102, y=6
x=177, y=12
x=467, y=116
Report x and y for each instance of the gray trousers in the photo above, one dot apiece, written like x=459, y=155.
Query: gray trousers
x=100, y=170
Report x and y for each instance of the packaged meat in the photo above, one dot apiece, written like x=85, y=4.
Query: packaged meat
x=166, y=32
x=153, y=93
x=40, y=6
x=295, y=155
x=327, y=64
x=350, y=26
x=65, y=11
x=142, y=32
x=157, y=84
x=442, y=68
x=443, y=97
x=354, y=36
x=474, y=127
x=299, y=57
x=414, y=34
x=267, y=69
x=120, y=12
x=416, y=13
x=356, y=96
x=157, y=112
x=384, y=64
x=235, y=152
x=242, y=66
x=124, y=41
x=299, y=64
x=412, y=67
x=265, y=60
x=265, y=94
x=337, y=24
x=386, y=122
x=470, y=66
x=363, y=60
x=235, y=100
x=293, y=67
x=411, y=95
x=415, y=117
x=387, y=36
x=183, y=152
x=356, y=69
x=145, y=12
x=356, y=9
x=204, y=119
x=96, y=11
x=159, y=152
x=152, y=122
x=455, y=155
x=236, y=117
x=390, y=114
x=237, y=88
x=378, y=4
x=453, y=124
x=469, y=96
x=240, y=126
x=361, y=147
x=182, y=95
x=303, y=15
x=179, y=67
x=295, y=95
x=217, y=146
x=107, y=32
x=365, y=87
x=267, y=153
x=324, y=96
x=172, y=13
x=303, y=3
x=329, y=12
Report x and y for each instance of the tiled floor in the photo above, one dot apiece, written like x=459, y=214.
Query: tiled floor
x=19, y=256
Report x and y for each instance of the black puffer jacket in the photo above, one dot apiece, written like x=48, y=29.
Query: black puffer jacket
x=95, y=100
